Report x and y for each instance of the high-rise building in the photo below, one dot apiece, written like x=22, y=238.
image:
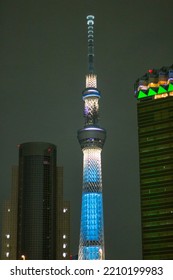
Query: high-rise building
x=91, y=138
x=154, y=93
x=36, y=219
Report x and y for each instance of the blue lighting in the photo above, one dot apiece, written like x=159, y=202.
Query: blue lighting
x=90, y=93
x=91, y=222
x=91, y=253
x=91, y=176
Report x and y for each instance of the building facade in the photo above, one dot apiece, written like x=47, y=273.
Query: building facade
x=91, y=138
x=36, y=219
x=154, y=92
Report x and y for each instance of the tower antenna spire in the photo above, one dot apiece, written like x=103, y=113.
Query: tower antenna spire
x=90, y=24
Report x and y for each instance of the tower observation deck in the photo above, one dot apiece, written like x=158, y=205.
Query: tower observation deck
x=91, y=138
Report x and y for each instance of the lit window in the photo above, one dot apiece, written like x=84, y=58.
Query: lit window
x=64, y=236
x=8, y=209
x=65, y=210
x=7, y=254
x=64, y=255
x=8, y=245
x=64, y=245
x=8, y=236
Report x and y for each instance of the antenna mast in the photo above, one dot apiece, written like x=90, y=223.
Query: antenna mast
x=91, y=78
x=90, y=23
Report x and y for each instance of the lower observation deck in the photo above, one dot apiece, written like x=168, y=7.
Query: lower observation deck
x=92, y=136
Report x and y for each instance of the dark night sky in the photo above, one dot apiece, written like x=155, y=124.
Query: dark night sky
x=43, y=54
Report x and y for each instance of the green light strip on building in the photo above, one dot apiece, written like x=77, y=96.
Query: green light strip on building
x=161, y=90
x=141, y=94
x=151, y=92
x=154, y=91
x=170, y=88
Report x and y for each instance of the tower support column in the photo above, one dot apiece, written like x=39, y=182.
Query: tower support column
x=91, y=245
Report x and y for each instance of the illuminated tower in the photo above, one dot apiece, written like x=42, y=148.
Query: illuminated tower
x=154, y=92
x=91, y=138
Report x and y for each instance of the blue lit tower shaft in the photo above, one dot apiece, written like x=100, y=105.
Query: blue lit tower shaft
x=91, y=139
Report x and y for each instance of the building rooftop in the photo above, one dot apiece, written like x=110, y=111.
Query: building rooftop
x=154, y=84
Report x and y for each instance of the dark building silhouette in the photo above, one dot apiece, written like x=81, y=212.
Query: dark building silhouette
x=154, y=92
x=37, y=220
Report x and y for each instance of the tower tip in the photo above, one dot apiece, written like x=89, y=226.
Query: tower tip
x=90, y=24
x=90, y=19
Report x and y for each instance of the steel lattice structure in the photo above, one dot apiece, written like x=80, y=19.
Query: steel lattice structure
x=91, y=139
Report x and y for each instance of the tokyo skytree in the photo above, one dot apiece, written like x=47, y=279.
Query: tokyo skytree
x=91, y=138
